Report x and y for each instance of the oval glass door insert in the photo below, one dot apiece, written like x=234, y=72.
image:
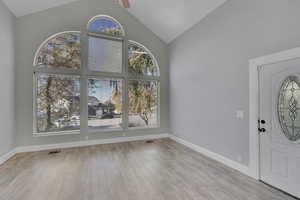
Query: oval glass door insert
x=289, y=108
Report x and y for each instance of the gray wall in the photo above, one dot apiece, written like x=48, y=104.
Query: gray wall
x=209, y=70
x=33, y=29
x=7, y=81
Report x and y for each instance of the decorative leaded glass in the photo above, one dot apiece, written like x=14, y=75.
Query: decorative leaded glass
x=288, y=108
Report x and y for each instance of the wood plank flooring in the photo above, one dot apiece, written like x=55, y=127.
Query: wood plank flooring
x=163, y=170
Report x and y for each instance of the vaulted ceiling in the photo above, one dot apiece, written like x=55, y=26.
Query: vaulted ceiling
x=166, y=18
x=25, y=7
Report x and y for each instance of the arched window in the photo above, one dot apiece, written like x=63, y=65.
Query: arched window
x=141, y=60
x=143, y=87
x=118, y=95
x=57, y=90
x=60, y=50
x=105, y=25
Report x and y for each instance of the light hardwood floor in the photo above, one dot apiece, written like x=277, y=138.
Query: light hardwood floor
x=163, y=170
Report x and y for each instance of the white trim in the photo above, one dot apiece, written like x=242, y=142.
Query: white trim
x=58, y=133
x=7, y=156
x=88, y=143
x=228, y=162
x=254, y=104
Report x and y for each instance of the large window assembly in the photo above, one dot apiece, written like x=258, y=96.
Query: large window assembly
x=118, y=81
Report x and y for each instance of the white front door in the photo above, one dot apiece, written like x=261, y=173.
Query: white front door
x=280, y=125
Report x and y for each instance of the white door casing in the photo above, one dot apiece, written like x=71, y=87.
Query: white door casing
x=254, y=64
x=279, y=157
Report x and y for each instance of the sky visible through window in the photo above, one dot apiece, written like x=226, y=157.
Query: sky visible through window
x=102, y=91
x=105, y=25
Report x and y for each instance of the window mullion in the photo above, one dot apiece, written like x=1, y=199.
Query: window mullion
x=83, y=106
x=57, y=71
x=125, y=93
x=144, y=78
x=105, y=36
x=104, y=75
x=35, y=128
x=83, y=85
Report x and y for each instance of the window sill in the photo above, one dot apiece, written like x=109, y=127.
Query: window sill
x=62, y=133
x=92, y=131
x=143, y=128
x=118, y=130
x=95, y=131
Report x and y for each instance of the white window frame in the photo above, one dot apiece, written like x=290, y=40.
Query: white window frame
x=48, y=70
x=85, y=74
x=132, y=77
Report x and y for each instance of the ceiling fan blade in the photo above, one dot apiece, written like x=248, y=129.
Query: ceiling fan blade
x=126, y=3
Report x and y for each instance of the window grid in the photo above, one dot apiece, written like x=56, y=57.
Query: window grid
x=85, y=74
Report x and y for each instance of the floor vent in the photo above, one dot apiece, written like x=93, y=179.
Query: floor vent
x=149, y=141
x=54, y=152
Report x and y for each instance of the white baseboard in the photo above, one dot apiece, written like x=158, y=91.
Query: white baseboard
x=226, y=161
x=7, y=156
x=24, y=149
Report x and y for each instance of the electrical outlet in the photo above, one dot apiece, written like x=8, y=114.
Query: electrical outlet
x=240, y=114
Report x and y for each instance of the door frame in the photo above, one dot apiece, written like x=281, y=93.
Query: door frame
x=254, y=140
